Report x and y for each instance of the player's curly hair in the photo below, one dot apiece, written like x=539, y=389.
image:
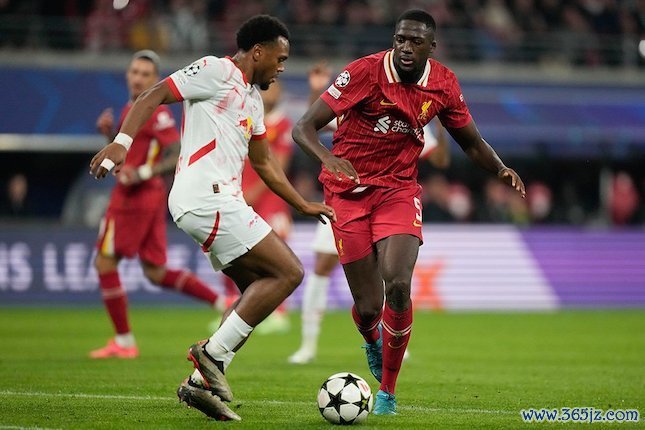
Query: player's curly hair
x=420, y=16
x=260, y=29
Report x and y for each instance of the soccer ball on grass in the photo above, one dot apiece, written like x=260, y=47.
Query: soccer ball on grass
x=345, y=398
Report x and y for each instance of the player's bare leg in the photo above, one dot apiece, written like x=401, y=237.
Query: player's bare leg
x=314, y=303
x=366, y=285
x=396, y=258
x=123, y=344
x=278, y=321
x=181, y=281
x=278, y=272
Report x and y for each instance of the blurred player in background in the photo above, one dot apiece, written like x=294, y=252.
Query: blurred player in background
x=370, y=179
x=224, y=122
x=266, y=203
x=135, y=220
x=314, y=297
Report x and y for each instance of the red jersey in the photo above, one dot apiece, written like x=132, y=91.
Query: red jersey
x=381, y=119
x=279, y=135
x=147, y=148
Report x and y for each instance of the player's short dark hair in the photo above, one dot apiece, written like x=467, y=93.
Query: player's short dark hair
x=420, y=16
x=260, y=29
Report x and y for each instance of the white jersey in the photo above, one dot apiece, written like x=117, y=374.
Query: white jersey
x=222, y=113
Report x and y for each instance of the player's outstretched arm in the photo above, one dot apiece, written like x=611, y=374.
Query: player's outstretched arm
x=113, y=155
x=305, y=134
x=271, y=172
x=482, y=153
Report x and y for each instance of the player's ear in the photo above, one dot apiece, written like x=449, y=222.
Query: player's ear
x=433, y=46
x=257, y=51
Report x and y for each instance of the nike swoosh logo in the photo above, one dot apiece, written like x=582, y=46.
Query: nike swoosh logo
x=394, y=347
x=416, y=223
x=384, y=103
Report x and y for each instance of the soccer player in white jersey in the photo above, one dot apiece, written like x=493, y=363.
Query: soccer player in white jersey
x=223, y=122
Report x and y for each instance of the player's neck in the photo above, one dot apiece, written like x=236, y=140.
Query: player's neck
x=409, y=77
x=244, y=62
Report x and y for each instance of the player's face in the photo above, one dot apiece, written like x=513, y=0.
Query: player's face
x=413, y=45
x=270, y=59
x=141, y=75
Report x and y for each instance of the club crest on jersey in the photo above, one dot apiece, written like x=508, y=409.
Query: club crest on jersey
x=247, y=125
x=343, y=79
x=424, y=110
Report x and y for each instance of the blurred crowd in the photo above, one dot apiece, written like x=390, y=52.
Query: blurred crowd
x=587, y=32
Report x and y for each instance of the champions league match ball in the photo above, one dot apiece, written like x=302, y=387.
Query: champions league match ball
x=345, y=398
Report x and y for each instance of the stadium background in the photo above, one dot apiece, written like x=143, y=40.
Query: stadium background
x=556, y=87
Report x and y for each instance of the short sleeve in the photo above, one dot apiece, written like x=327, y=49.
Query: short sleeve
x=164, y=127
x=455, y=114
x=199, y=80
x=350, y=87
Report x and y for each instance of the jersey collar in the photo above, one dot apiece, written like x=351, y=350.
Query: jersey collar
x=393, y=75
x=246, y=82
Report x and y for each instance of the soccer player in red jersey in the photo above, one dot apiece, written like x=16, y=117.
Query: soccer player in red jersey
x=135, y=221
x=370, y=179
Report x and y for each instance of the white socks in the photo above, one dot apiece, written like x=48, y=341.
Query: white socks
x=125, y=340
x=231, y=333
x=314, y=303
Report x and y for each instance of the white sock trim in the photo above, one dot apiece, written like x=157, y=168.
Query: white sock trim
x=125, y=340
x=228, y=336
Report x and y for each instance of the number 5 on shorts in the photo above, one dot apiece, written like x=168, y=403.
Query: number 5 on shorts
x=418, y=218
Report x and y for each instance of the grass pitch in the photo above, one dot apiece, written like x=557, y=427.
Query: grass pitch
x=467, y=370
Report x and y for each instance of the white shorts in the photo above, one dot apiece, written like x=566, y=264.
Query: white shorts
x=225, y=233
x=324, y=241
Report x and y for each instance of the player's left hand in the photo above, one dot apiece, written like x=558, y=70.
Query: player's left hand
x=109, y=158
x=317, y=210
x=510, y=177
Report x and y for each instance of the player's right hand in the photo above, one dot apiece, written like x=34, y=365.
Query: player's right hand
x=105, y=123
x=340, y=167
x=115, y=153
x=317, y=210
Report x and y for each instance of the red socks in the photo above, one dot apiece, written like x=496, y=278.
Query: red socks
x=187, y=283
x=369, y=329
x=115, y=301
x=396, y=334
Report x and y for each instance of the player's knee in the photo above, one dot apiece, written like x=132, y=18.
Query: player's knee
x=294, y=275
x=154, y=274
x=397, y=293
x=368, y=311
x=104, y=264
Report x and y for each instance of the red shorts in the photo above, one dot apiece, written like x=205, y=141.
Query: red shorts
x=365, y=218
x=128, y=232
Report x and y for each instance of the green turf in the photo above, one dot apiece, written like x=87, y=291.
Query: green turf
x=466, y=371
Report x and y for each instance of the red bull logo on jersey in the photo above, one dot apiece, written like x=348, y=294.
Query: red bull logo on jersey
x=247, y=125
